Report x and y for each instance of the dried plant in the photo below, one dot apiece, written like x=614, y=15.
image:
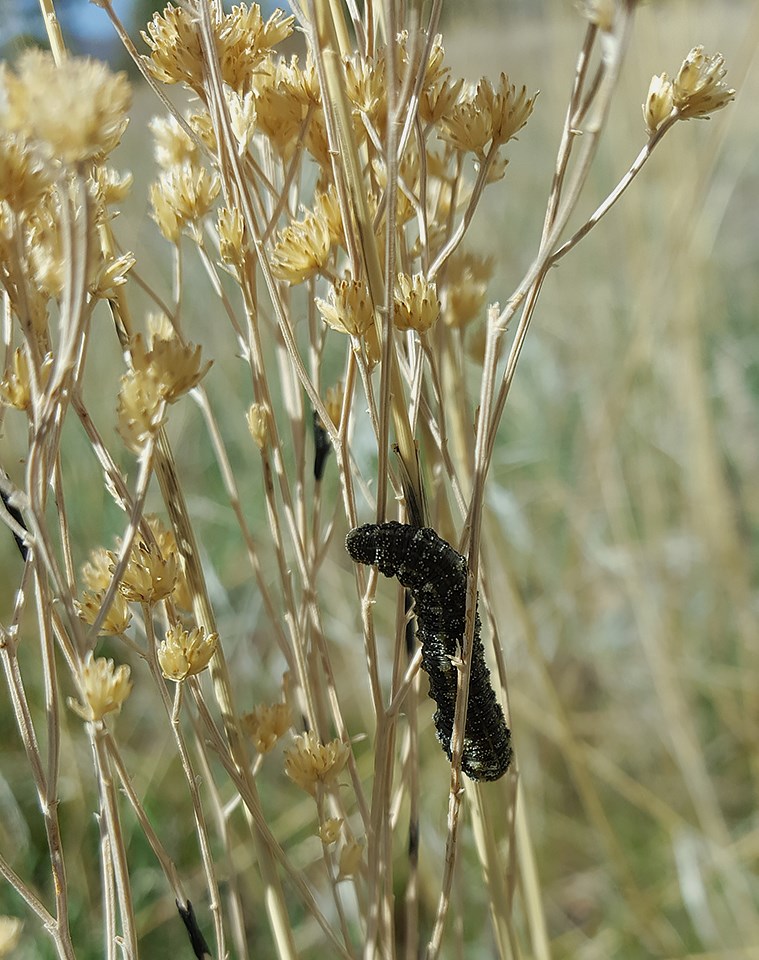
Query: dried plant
x=327, y=196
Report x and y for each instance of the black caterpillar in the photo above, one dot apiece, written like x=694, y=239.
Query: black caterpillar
x=436, y=575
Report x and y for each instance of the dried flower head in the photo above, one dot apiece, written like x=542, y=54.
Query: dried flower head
x=509, y=109
x=117, y=619
x=140, y=408
x=186, y=653
x=149, y=576
x=175, y=366
x=333, y=401
x=167, y=545
x=244, y=41
x=110, y=186
x=266, y=724
x=16, y=385
x=172, y=147
x=258, y=425
x=110, y=275
x=10, y=934
x=466, y=288
x=176, y=55
x=75, y=110
x=329, y=831
x=103, y=688
x=699, y=87
x=659, y=102
x=302, y=249
x=350, y=859
x=182, y=196
x=349, y=308
x=231, y=229
x=23, y=179
x=415, y=303
x=309, y=762
x=96, y=573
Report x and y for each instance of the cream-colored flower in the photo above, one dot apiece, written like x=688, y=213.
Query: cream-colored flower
x=309, y=762
x=659, y=102
x=176, y=55
x=415, y=303
x=509, y=109
x=230, y=227
x=140, y=408
x=112, y=274
x=175, y=366
x=266, y=724
x=258, y=425
x=75, y=110
x=182, y=196
x=96, y=573
x=16, y=385
x=103, y=688
x=186, y=653
x=149, y=576
x=350, y=859
x=333, y=401
x=349, y=308
x=117, y=619
x=244, y=40
x=110, y=186
x=167, y=545
x=172, y=147
x=699, y=87
x=10, y=934
x=329, y=831
x=23, y=179
x=302, y=249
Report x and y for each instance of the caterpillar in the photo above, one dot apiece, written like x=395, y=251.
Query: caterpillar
x=435, y=574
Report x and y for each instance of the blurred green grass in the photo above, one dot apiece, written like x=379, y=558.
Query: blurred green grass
x=624, y=495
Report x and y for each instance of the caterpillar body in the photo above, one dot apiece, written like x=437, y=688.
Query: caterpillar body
x=435, y=574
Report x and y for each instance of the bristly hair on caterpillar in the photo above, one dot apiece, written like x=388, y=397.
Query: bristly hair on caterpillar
x=435, y=575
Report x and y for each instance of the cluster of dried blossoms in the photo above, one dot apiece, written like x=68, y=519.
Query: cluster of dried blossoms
x=257, y=178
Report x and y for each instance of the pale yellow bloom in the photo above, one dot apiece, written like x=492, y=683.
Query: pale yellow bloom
x=10, y=934
x=96, y=573
x=176, y=55
x=23, y=179
x=350, y=859
x=699, y=87
x=309, y=762
x=266, y=724
x=112, y=274
x=258, y=425
x=16, y=385
x=659, y=102
x=186, y=653
x=103, y=688
x=329, y=831
x=302, y=249
x=140, y=408
x=167, y=545
x=149, y=576
x=231, y=229
x=117, y=619
x=349, y=308
x=182, y=195
x=74, y=111
x=415, y=303
x=175, y=366
x=172, y=147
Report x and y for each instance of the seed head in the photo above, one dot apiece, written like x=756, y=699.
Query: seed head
x=149, y=576
x=231, y=229
x=16, y=385
x=333, y=401
x=329, y=831
x=416, y=306
x=302, y=249
x=96, y=573
x=73, y=111
x=699, y=87
x=175, y=366
x=23, y=179
x=309, y=762
x=172, y=147
x=103, y=688
x=258, y=425
x=186, y=653
x=176, y=55
x=117, y=619
x=140, y=408
x=349, y=308
x=182, y=195
x=266, y=724
x=659, y=102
